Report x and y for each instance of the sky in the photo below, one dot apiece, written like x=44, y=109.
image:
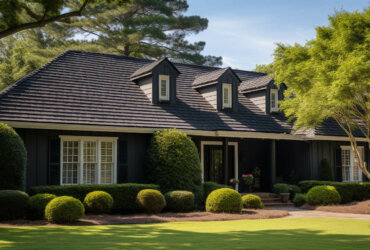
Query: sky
x=244, y=32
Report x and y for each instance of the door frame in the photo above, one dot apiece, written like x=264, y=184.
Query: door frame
x=219, y=143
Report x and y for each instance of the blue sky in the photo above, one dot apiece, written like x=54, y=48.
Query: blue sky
x=244, y=32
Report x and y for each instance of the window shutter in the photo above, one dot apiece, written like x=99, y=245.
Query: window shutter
x=122, y=163
x=338, y=164
x=54, y=162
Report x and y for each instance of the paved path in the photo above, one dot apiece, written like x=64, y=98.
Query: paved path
x=297, y=212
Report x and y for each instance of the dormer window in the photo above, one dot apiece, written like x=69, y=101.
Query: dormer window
x=274, y=106
x=227, y=95
x=164, y=87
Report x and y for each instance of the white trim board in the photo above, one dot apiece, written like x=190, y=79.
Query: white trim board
x=236, y=156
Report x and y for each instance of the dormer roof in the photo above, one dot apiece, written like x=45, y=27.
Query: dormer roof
x=255, y=84
x=147, y=69
x=211, y=78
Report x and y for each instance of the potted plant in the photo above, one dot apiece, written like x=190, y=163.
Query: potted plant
x=234, y=182
x=282, y=189
x=257, y=180
x=248, y=181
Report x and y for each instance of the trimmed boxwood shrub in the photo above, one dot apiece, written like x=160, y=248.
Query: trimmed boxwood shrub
x=323, y=195
x=252, y=201
x=37, y=204
x=293, y=190
x=151, y=201
x=173, y=162
x=300, y=200
x=13, y=159
x=353, y=191
x=64, y=209
x=98, y=202
x=179, y=201
x=224, y=200
x=13, y=204
x=325, y=170
x=124, y=195
x=208, y=187
x=281, y=188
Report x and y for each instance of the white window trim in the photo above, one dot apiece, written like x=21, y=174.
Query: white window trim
x=80, y=140
x=236, y=157
x=276, y=109
x=230, y=87
x=167, y=79
x=352, y=156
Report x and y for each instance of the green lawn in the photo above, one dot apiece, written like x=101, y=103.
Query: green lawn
x=294, y=233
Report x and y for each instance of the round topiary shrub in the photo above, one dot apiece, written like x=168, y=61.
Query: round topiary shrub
x=293, y=190
x=98, y=202
x=173, y=162
x=281, y=188
x=300, y=200
x=13, y=204
x=179, y=201
x=64, y=209
x=13, y=159
x=37, y=204
x=224, y=200
x=323, y=195
x=151, y=201
x=252, y=201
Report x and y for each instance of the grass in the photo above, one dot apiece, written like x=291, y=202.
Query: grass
x=288, y=233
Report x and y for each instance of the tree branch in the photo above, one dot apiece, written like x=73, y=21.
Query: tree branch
x=42, y=22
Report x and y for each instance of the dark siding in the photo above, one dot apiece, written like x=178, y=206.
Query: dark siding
x=338, y=164
x=228, y=77
x=54, y=161
x=165, y=68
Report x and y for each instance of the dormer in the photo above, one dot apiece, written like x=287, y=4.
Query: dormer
x=158, y=81
x=219, y=88
x=263, y=92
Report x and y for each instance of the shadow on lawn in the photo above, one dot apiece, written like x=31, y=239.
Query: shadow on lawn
x=154, y=237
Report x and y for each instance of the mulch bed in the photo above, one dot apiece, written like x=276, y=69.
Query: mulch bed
x=108, y=219
x=359, y=207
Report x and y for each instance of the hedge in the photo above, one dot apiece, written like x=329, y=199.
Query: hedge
x=64, y=209
x=323, y=195
x=208, y=187
x=349, y=191
x=179, y=201
x=13, y=159
x=13, y=204
x=151, y=201
x=124, y=195
x=37, y=204
x=98, y=202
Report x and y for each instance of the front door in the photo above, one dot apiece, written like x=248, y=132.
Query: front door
x=213, y=164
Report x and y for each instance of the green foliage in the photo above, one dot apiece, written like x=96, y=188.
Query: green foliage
x=224, y=200
x=281, y=188
x=173, y=162
x=151, y=201
x=252, y=201
x=64, y=209
x=325, y=170
x=209, y=186
x=13, y=159
x=300, y=200
x=98, y=202
x=179, y=201
x=124, y=195
x=264, y=68
x=293, y=190
x=13, y=204
x=37, y=204
x=349, y=191
x=328, y=77
x=323, y=195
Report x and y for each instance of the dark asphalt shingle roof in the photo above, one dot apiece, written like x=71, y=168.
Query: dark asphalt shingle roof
x=256, y=83
x=147, y=69
x=80, y=88
x=210, y=77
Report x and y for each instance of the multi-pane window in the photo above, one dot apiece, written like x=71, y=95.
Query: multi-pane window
x=350, y=164
x=88, y=160
x=226, y=95
x=274, y=100
x=164, y=87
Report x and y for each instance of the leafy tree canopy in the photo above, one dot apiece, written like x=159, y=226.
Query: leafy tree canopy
x=264, y=68
x=328, y=77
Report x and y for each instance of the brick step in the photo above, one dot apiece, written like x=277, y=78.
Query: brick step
x=277, y=199
x=278, y=204
x=263, y=195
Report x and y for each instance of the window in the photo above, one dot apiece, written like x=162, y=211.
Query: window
x=350, y=164
x=226, y=95
x=164, y=87
x=88, y=160
x=274, y=106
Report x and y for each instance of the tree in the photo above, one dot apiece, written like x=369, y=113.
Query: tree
x=264, y=68
x=328, y=77
x=152, y=28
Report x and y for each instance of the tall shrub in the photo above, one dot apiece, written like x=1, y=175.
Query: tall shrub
x=325, y=171
x=13, y=159
x=173, y=162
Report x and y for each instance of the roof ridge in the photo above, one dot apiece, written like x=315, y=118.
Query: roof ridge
x=32, y=73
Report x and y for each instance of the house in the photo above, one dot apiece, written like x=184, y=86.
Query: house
x=87, y=118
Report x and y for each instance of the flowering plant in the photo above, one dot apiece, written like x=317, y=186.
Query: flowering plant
x=234, y=181
x=248, y=179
